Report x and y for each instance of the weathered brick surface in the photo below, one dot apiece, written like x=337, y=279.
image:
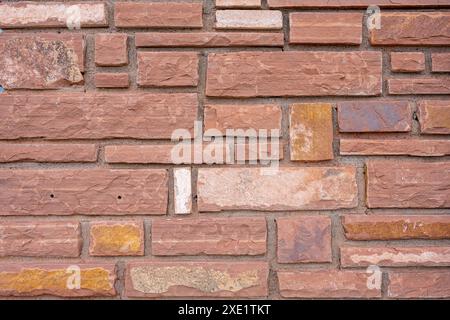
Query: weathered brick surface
x=412, y=28
x=293, y=74
x=370, y=116
x=304, y=240
x=396, y=227
x=96, y=115
x=434, y=116
x=40, y=238
x=419, y=284
x=82, y=191
x=408, y=184
x=218, y=236
x=196, y=279
x=55, y=279
x=326, y=28
x=158, y=15
x=325, y=284
x=126, y=149
x=288, y=189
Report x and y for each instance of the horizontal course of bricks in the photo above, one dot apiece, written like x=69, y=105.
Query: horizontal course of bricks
x=92, y=92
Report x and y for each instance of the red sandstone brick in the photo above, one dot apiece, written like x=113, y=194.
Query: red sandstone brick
x=419, y=284
x=46, y=152
x=112, y=80
x=356, y=3
x=434, y=116
x=440, y=62
x=111, y=49
x=407, y=61
x=419, y=86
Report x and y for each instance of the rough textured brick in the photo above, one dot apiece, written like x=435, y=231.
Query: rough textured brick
x=238, y=3
x=259, y=151
x=311, y=132
x=246, y=117
x=47, y=61
x=419, y=86
x=111, y=49
x=26, y=14
x=293, y=74
x=304, y=239
x=434, y=116
x=14, y=152
x=440, y=62
x=408, y=184
x=162, y=69
x=419, y=284
x=396, y=227
x=374, y=116
x=355, y=3
x=395, y=256
x=158, y=15
x=56, y=279
x=124, y=238
x=83, y=191
x=287, y=189
x=95, y=115
x=112, y=80
x=222, y=236
x=325, y=28
x=160, y=153
x=412, y=28
x=37, y=238
x=209, y=39
x=411, y=147
x=249, y=19
x=196, y=279
x=325, y=284
x=182, y=190
x=407, y=61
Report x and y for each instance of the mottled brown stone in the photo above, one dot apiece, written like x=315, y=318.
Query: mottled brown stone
x=374, y=116
x=111, y=49
x=96, y=115
x=239, y=74
x=395, y=256
x=196, y=279
x=380, y=147
x=325, y=28
x=222, y=236
x=245, y=117
x=407, y=61
x=111, y=238
x=26, y=14
x=285, y=189
x=304, y=239
x=440, y=62
x=40, y=238
x=311, y=131
x=434, y=116
x=83, y=191
x=40, y=63
x=46, y=152
x=356, y=3
x=408, y=184
x=419, y=86
x=112, y=80
x=412, y=28
x=419, y=284
x=167, y=69
x=396, y=227
x=158, y=15
x=209, y=39
x=326, y=284
x=57, y=279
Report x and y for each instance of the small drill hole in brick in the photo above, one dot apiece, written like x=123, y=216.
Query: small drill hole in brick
x=119, y=197
x=52, y=195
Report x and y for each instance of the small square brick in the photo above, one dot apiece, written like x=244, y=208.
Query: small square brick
x=111, y=49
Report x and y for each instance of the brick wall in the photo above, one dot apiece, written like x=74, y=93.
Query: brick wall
x=93, y=205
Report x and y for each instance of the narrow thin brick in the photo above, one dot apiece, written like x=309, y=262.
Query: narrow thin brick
x=112, y=80
x=419, y=284
x=238, y=3
x=312, y=188
x=37, y=238
x=304, y=239
x=83, y=191
x=218, y=236
x=249, y=19
x=339, y=4
x=325, y=28
x=434, y=116
x=419, y=86
x=407, y=61
x=196, y=279
x=408, y=184
x=46, y=152
x=396, y=227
